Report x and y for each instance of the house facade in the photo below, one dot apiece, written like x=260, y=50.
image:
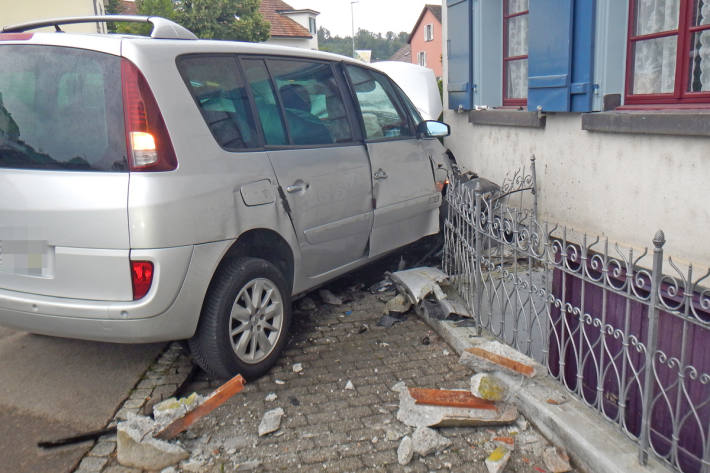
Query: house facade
x=14, y=12
x=611, y=96
x=425, y=40
x=289, y=26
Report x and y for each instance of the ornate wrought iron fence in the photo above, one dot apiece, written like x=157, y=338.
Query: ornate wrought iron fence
x=609, y=324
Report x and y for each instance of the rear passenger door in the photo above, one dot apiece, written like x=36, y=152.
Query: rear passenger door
x=322, y=170
x=406, y=200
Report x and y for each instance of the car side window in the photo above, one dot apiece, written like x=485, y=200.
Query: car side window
x=265, y=101
x=220, y=93
x=381, y=112
x=313, y=106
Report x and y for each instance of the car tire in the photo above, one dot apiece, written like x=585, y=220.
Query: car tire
x=237, y=335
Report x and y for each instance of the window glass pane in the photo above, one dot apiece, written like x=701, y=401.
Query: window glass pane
x=654, y=66
x=699, y=77
x=380, y=112
x=701, y=12
x=220, y=93
x=315, y=113
x=61, y=108
x=653, y=16
x=516, y=6
x=517, y=36
x=265, y=100
x=517, y=79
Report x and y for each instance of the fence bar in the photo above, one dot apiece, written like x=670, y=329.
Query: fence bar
x=651, y=345
x=478, y=271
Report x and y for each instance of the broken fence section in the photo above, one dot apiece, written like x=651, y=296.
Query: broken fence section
x=623, y=331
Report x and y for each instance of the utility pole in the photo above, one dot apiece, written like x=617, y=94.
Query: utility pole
x=352, y=17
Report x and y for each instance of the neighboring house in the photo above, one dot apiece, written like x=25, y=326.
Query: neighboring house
x=14, y=12
x=290, y=27
x=403, y=54
x=611, y=96
x=426, y=39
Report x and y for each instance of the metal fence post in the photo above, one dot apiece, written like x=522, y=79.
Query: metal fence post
x=651, y=344
x=478, y=243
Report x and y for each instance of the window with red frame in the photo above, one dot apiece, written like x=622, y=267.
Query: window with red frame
x=669, y=52
x=515, y=52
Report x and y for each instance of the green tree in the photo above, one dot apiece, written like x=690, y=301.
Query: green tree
x=236, y=20
x=112, y=7
x=382, y=47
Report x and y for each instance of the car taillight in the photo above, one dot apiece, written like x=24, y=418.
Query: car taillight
x=15, y=36
x=147, y=139
x=141, y=278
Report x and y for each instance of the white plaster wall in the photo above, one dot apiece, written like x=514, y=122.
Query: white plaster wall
x=302, y=19
x=304, y=43
x=622, y=186
x=14, y=12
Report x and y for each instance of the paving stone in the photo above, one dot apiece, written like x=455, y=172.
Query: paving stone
x=102, y=449
x=92, y=464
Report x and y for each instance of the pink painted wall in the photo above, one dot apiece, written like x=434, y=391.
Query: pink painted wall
x=432, y=48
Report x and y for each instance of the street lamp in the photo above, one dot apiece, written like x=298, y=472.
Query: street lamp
x=352, y=17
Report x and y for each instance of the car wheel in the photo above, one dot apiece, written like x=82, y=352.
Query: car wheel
x=245, y=320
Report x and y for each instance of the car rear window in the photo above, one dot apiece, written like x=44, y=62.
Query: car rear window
x=61, y=109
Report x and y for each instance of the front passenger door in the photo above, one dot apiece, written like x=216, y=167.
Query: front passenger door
x=405, y=196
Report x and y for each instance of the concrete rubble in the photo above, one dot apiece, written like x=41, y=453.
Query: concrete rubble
x=398, y=304
x=418, y=283
x=487, y=387
x=405, y=451
x=419, y=415
x=271, y=422
x=329, y=298
x=556, y=460
x=137, y=448
x=490, y=355
x=497, y=460
x=426, y=441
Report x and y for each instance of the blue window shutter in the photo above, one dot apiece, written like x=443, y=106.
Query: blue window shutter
x=582, y=87
x=459, y=47
x=550, y=54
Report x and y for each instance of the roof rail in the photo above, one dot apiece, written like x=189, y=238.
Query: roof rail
x=162, y=28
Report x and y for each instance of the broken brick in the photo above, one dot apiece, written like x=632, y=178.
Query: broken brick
x=448, y=398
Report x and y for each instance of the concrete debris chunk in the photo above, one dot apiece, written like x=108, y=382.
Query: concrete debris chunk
x=329, y=298
x=399, y=387
x=306, y=304
x=505, y=442
x=271, y=421
x=522, y=424
x=349, y=386
x=487, y=387
x=170, y=409
x=497, y=460
x=418, y=283
x=271, y=397
x=422, y=415
x=398, y=304
x=556, y=460
x=489, y=355
x=405, y=451
x=426, y=441
x=137, y=448
x=297, y=367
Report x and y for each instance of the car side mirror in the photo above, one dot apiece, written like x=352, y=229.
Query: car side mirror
x=433, y=129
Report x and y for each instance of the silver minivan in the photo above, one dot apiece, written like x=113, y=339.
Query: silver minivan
x=169, y=188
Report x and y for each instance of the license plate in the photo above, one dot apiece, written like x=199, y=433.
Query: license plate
x=25, y=257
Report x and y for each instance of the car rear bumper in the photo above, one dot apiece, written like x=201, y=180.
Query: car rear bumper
x=170, y=310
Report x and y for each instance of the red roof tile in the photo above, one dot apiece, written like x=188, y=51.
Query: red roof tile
x=282, y=25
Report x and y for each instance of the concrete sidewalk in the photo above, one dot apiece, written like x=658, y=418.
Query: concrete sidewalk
x=54, y=387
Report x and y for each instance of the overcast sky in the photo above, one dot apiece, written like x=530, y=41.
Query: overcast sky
x=379, y=16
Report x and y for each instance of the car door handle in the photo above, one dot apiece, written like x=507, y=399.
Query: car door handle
x=380, y=174
x=298, y=186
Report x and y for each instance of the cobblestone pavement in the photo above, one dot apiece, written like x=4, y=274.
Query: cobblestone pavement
x=327, y=427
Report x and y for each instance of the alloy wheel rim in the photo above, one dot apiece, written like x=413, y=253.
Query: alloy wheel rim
x=256, y=320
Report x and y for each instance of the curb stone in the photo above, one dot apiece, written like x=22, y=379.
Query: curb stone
x=594, y=444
